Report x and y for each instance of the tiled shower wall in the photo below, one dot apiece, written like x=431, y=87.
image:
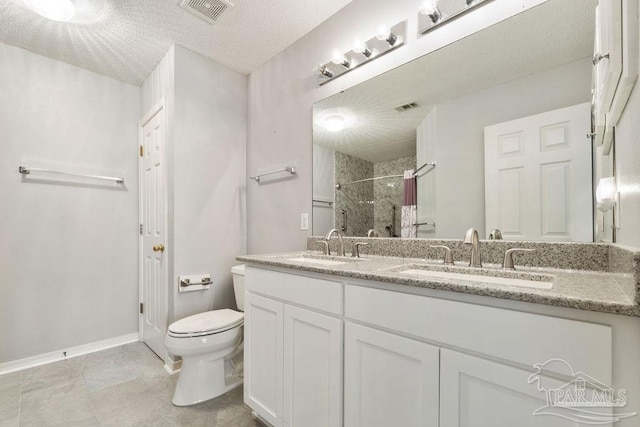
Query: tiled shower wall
x=355, y=199
x=369, y=204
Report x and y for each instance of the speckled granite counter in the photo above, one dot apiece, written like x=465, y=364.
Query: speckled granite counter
x=593, y=290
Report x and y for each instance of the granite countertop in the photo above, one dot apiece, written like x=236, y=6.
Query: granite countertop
x=580, y=289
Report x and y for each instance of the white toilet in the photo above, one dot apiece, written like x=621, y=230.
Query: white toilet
x=210, y=345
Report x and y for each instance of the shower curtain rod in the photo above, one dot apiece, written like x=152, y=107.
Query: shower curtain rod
x=339, y=186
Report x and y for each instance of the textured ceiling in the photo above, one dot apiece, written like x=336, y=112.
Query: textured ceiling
x=554, y=33
x=125, y=39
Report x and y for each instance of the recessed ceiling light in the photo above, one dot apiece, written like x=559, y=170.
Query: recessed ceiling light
x=334, y=119
x=56, y=10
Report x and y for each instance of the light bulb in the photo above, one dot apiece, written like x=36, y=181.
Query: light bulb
x=56, y=10
x=340, y=59
x=428, y=7
x=362, y=48
x=383, y=33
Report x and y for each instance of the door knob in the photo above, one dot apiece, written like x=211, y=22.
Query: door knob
x=158, y=248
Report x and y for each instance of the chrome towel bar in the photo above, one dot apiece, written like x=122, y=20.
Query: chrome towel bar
x=26, y=171
x=289, y=169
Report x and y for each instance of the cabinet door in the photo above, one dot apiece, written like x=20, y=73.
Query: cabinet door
x=263, y=326
x=389, y=380
x=475, y=392
x=312, y=368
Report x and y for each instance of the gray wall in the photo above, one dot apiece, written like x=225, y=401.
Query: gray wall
x=459, y=140
x=68, y=248
x=206, y=146
x=282, y=91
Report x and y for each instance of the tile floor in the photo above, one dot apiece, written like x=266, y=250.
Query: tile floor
x=122, y=386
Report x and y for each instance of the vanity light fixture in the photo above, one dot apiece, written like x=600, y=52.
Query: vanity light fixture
x=430, y=8
x=56, y=10
x=362, y=48
x=340, y=59
x=387, y=39
x=323, y=70
x=431, y=14
x=385, y=34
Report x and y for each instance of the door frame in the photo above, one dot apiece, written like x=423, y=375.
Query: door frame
x=160, y=105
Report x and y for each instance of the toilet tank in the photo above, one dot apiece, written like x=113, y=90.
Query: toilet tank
x=237, y=271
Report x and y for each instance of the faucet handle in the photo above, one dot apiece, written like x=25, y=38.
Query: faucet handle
x=448, y=256
x=356, y=249
x=325, y=249
x=507, y=264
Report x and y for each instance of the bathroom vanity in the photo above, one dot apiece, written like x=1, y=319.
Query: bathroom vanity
x=370, y=342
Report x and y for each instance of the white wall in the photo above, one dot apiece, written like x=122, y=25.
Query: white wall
x=282, y=91
x=459, y=140
x=206, y=153
x=68, y=248
x=209, y=178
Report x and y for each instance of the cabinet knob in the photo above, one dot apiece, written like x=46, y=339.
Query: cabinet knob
x=158, y=248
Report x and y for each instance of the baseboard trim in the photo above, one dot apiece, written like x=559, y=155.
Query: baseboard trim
x=56, y=356
x=172, y=366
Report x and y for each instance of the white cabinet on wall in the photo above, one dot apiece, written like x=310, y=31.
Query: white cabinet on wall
x=615, y=62
x=389, y=380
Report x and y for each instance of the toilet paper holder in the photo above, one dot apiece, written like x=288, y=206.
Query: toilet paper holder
x=195, y=282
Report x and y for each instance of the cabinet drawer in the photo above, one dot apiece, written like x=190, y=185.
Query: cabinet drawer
x=323, y=295
x=523, y=338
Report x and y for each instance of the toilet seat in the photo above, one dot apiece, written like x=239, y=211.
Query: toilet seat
x=208, y=323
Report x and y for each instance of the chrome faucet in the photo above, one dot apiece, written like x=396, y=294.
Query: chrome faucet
x=372, y=233
x=495, y=234
x=471, y=238
x=340, y=241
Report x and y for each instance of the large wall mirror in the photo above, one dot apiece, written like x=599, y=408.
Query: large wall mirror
x=503, y=113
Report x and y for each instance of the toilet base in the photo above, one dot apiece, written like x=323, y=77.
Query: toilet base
x=202, y=379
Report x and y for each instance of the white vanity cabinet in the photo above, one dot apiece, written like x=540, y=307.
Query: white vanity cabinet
x=415, y=357
x=389, y=380
x=293, y=349
x=615, y=63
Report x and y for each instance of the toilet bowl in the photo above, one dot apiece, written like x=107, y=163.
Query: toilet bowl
x=210, y=345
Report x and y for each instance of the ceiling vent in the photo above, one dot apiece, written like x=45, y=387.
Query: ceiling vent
x=406, y=107
x=207, y=10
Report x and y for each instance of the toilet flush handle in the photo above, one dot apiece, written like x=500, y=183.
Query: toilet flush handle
x=158, y=248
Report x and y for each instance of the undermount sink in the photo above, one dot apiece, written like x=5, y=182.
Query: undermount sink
x=481, y=275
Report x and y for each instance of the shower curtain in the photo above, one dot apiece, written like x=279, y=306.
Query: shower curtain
x=409, y=208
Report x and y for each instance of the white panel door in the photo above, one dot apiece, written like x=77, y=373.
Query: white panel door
x=263, y=351
x=312, y=368
x=389, y=380
x=538, y=176
x=153, y=266
x=475, y=392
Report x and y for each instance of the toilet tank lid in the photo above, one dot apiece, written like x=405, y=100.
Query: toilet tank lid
x=238, y=269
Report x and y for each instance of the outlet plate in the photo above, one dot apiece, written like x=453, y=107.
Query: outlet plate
x=304, y=221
